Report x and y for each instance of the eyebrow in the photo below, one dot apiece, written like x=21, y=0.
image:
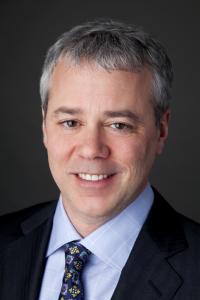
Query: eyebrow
x=125, y=114
x=67, y=110
x=108, y=113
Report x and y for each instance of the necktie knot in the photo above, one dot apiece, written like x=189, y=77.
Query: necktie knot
x=76, y=256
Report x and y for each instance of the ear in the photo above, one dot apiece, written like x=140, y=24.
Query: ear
x=163, y=130
x=44, y=129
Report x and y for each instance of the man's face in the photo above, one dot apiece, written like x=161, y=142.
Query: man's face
x=101, y=138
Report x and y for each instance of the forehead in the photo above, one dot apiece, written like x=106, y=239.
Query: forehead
x=84, y=82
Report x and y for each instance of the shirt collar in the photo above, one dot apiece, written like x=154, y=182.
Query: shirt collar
x=113, y=241
x=63, y=231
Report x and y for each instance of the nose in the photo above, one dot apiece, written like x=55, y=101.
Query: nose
x=92, y=145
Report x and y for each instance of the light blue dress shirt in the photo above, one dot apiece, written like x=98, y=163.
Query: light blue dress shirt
x=110, y=246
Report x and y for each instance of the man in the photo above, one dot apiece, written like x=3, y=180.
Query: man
x=105, y=92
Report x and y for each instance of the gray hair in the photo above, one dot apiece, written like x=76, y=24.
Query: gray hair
x=114, y=46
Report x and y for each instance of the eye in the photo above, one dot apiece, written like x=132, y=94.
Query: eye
x=70, y=123
x=121, y=126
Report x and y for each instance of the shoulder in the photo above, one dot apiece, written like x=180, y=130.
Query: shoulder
x=163, y=213
x=191, y=229
x=11, y=223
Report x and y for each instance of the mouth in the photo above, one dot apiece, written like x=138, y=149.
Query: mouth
x=93, y=177
x=94, y=181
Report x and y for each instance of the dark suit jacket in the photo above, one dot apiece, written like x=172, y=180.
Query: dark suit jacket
x=164, y=263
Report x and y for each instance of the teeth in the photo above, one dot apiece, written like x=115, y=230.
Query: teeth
x=92, y=177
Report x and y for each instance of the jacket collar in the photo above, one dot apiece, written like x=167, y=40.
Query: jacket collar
x=39, y=217
x=150, y=272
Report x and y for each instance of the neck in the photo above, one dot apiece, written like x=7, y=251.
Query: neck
x=85, y=227
x=83, y=224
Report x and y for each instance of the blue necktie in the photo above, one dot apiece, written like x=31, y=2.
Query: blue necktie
x=76, y=256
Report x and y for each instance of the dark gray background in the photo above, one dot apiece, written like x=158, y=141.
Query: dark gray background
x=28, y=28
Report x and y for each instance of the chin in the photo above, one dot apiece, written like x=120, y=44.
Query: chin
x=100, y=209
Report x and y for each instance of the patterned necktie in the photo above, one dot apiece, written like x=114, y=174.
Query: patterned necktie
x=76, y=256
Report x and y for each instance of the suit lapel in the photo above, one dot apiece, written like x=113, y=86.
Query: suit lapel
x=149, y=272
x=26, y=257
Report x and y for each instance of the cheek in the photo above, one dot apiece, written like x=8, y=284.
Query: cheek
x=128, y=152
x=58, y=148
x=136, y=156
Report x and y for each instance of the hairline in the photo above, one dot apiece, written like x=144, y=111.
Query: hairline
x=70, y=62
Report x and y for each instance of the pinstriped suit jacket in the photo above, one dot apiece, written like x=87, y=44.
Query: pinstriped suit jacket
x=164, y=263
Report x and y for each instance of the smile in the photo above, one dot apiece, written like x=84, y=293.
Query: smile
x=92, y=177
